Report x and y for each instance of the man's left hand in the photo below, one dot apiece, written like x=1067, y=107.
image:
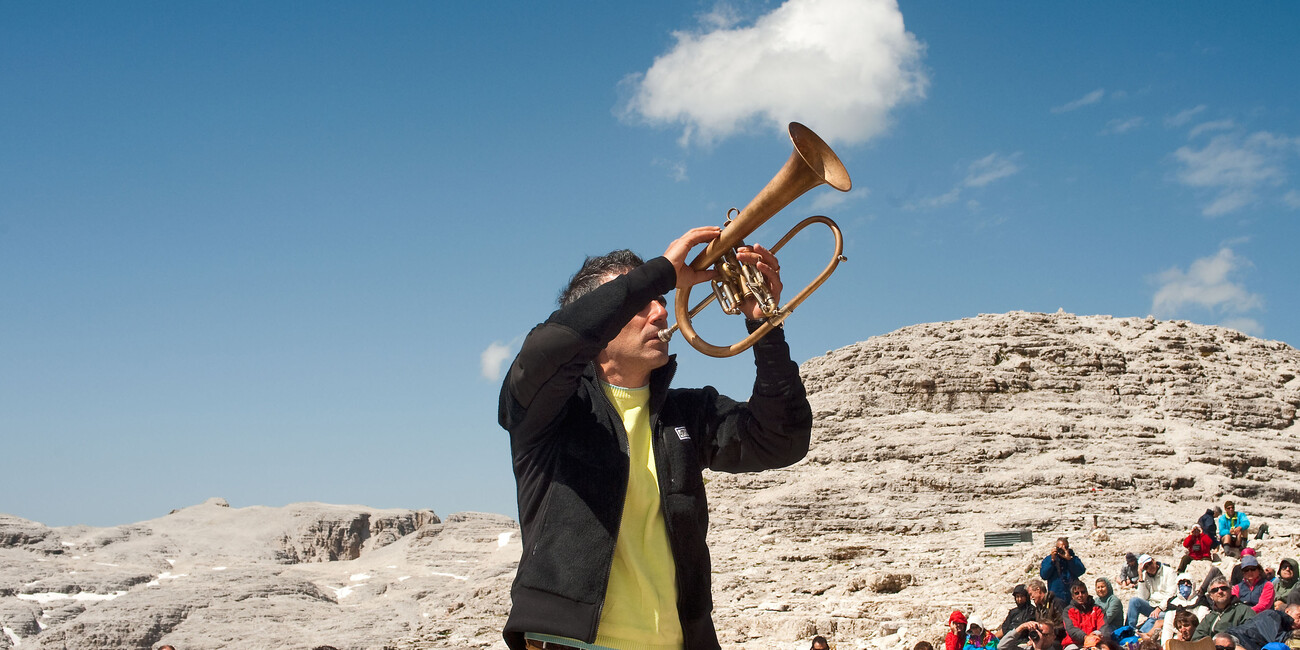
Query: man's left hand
x=771, y=270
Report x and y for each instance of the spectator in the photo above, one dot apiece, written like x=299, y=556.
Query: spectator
x=1083, y=617
x=956, y=638
x=1060, y=568
x=1130, y=573
x=1198, y=545
x=1110, y=603
x=1253, y=589
x=1186, y=601
x=1233, y=528
x=1285, y=582
x=1209, y=523
x=1034, y=635
x=1269, y=626
x=1021, y=613
x=1224, y=641
x=820, y=643
x=922, y=645
x=1225, y=610
x=1236, y=576
x=979, y=638
x=1157, y=587
x=1184, y=625
x=1047, y=607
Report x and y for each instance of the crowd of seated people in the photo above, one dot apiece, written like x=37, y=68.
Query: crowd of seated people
x=1240, y=603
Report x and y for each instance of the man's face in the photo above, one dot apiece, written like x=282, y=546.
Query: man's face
x=821, y=646
x=1152, y=568
x=1021, y=599
x=1079, y=594
x=1229, y=509
x=1219, y=593
x=1037, y=596
x=637, y=348
x=1285, y=571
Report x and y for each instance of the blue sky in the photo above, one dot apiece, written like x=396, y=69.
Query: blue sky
x=280, y=252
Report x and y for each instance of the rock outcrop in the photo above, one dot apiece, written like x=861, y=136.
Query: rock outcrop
x=1117, y=433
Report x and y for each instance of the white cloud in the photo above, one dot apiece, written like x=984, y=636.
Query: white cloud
x=838, y=66
x=1292, y=199
x=1235, y=169
x=980, y=173
x=1116, y=127
x=1209, y=283
x=493, y=357
x=1091, y=98
x=990, y=168
x=1184, y=117
x=1216, y=125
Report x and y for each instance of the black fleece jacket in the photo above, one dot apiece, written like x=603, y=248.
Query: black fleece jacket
x=570, y=456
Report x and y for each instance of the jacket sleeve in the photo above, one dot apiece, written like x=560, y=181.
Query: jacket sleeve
x=1047, y=569
x=1265, y=598
x=1077, y=568
x=1223, y=525
x=773, y=428
x=551, y=360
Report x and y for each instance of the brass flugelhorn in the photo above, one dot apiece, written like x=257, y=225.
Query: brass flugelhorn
x=812, y=163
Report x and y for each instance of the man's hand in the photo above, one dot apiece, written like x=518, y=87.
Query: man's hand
x=686, y=276
x=771, y=270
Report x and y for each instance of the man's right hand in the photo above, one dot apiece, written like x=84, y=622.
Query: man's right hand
x=681, y=247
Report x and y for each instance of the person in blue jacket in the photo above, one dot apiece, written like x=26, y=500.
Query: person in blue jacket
x=1060, y=568
x=1234, y=528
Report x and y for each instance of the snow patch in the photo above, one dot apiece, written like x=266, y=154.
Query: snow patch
x=504, y=538
x=357, y=577
x=50, y=596
x=218, y=568
x=449, y=575
x=14, y=639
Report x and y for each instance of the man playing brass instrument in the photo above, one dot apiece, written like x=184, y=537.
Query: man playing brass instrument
x=608, y=459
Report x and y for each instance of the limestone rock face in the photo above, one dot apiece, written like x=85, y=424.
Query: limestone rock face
x=308, y=574
x=1117, y=433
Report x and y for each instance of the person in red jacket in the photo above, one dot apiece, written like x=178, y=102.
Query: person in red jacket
x=1198, y=546
x=1083, y=616
x=956, y=638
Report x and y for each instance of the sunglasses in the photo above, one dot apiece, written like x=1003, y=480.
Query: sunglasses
x=1224, y=647
x=1219, y=589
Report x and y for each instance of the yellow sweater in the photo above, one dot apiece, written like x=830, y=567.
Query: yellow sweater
x=641, y=600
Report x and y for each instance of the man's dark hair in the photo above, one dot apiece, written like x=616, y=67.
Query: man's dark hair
x=593, y=272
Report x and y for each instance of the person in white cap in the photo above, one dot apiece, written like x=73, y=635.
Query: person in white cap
x=1158, y=585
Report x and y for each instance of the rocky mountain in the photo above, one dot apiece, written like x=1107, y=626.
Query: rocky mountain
x=1115, y=432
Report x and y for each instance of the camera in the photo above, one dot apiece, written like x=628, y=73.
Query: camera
x=1032, y=634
